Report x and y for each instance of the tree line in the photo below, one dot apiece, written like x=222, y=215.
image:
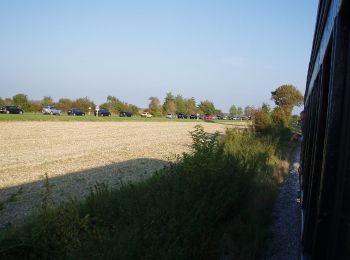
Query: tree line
x=83, y=103
x=178, y=104
x=173, y=104
x=285, y=97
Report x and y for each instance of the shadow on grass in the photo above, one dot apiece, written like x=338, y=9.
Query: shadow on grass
x=236, y=124
x=18, y=202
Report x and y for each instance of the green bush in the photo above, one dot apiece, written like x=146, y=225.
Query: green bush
x=262, y=119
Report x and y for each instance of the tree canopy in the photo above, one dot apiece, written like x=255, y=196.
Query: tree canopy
x=115, y=105
x=287, y=96
x=236, y=111
x=207, y=107
x=22, y=101
x=169, y=105
x=155, y=107
x=47, y=101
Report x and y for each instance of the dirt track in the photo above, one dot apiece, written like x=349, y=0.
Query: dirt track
x=76, y=155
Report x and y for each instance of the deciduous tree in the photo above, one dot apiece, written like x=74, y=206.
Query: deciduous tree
x=239, y=111
x=233, y=110
x=190, y=106
x=47, y=101
x=22, y=101
x=286, y=97
x=169, y=105
x=65, y=104
x=155, y=107
x=249, y=110
x=180, y=104
x=207, y=107
x=84, y=103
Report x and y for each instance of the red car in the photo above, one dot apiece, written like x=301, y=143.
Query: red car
x=208, y=117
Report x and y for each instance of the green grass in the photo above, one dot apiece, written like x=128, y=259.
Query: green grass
x=113, y=118
x=215, y=201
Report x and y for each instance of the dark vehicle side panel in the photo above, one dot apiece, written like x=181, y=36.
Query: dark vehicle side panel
x=11, y=110
x=325, y=168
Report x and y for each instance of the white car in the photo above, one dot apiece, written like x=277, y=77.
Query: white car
x=146, y=114
x=51, y=110
x=170, y=115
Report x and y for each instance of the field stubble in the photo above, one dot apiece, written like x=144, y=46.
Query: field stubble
x=77, y=155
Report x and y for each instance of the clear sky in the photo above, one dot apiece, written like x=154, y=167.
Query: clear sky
x=229, y=52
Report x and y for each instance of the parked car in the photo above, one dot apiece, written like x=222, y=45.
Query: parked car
x=182, y=116
x=51, y=110
x=194, y=116
x=75, y=112
x=11, y=110
x=102, y=112
x=125, y=114
x=208, y=117
x=219, y=117
x=146, y=114
x=170, y=116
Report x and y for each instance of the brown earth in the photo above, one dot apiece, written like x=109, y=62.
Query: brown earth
x=77, y=155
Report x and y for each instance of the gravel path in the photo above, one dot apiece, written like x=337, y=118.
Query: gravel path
x=285, y=240
x=76, y=155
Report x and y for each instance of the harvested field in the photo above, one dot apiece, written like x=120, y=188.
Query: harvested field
x=77, y=155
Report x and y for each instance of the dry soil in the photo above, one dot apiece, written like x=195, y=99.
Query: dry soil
x=77, y=155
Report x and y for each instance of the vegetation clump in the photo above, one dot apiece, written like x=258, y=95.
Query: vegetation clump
x=278, y=121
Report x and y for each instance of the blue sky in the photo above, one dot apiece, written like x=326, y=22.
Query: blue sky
x=229, y=52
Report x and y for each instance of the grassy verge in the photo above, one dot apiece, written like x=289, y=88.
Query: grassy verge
x=41, y=117
x=216, y=201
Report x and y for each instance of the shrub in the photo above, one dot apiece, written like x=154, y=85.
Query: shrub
x=280, y=117
x=262, y=119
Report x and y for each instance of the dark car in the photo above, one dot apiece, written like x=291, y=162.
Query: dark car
x=102, y=112
x=182, y=116
x=194, y=116
x=75, y=112
x=125, y=114
x=11, y=110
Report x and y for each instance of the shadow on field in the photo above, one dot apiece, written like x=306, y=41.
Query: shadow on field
x=18, y=202
x=236, y=124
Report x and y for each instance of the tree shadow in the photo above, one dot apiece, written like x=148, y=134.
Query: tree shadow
x=239, y=124
x=18, y=202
